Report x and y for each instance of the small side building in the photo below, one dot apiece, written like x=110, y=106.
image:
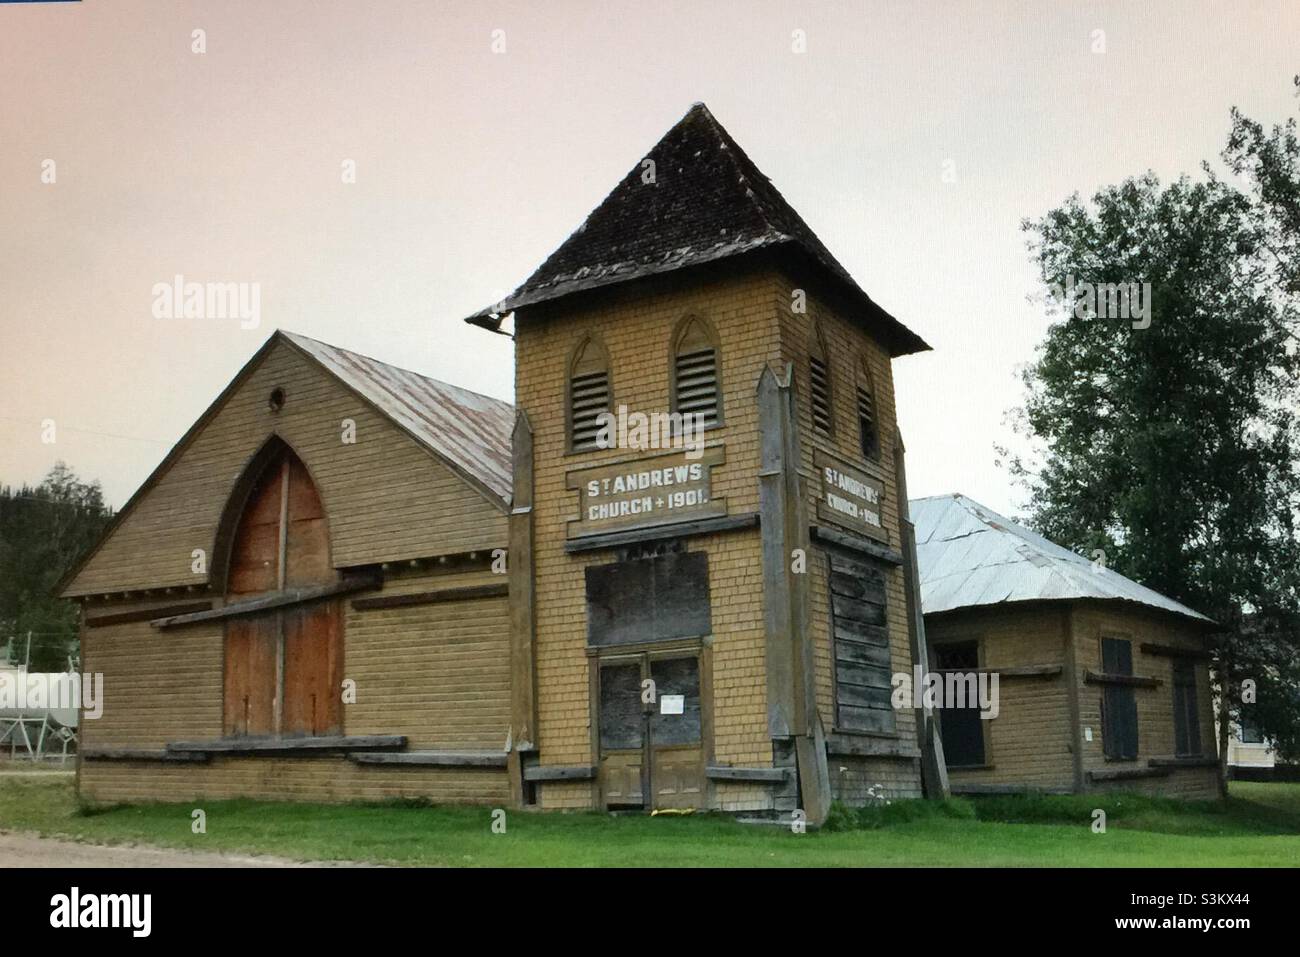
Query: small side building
x=1103, y=683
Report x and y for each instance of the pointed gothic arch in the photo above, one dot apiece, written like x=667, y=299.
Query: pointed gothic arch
x=283, y=667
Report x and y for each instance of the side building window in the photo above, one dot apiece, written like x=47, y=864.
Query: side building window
x=589, y=394
x=1119, y=718
x=1187, y=723
x=868, y=419
x=860, y=646
x=695, y=387
x=819, y=378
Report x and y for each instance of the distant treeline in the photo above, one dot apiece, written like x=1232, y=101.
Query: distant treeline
x=43, y=530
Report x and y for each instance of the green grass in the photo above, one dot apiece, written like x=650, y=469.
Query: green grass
x=1258, y=826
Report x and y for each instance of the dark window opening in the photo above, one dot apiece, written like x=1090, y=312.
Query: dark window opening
x=961, y=729
x=1119, y=718
x=1187, y=722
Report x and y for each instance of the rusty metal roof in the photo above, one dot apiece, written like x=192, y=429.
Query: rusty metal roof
x=969, y=555
x=471, y=432
x=706, y=202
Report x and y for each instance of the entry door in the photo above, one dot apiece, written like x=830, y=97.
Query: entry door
x=650, y=731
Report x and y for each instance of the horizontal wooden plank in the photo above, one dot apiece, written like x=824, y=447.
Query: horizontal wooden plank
x=146, y=614
x=869, y=676
x=281, y=599
x=860, y=652
x=470, y=592
x=873, y=746
x=846, y=630
x=704, y=526
x=850, y=718
x=976, y=789
x=139, y=754
x=1173, y=651
x=1132, y=681
x=860, y=589
x=856, y=543
x=302, y=745
x=761, y=775
x=439, y=759
x=859, y=697
x=858, y=612
x=1127, y=774
x=557, y=773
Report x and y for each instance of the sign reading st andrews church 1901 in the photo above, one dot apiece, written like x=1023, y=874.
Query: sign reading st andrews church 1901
x=849, y=497
x=658, y=490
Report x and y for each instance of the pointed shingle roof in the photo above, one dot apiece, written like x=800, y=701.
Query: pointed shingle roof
x=707, y=201
x=969, y=555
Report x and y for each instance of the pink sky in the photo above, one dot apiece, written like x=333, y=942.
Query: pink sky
x=472, y=166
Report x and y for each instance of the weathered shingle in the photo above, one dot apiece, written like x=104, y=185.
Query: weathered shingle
x=969, y=555
x=707, y=202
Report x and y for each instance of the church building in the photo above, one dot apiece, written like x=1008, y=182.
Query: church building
x=678, y=573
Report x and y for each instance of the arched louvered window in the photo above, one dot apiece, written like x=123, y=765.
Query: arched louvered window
x=868, y=414
x=589, y=394
x=819, y=377
x=696, y=388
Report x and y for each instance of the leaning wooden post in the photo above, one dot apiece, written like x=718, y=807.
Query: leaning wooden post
x=519, y=570
x=934, y=769
x=791, y=681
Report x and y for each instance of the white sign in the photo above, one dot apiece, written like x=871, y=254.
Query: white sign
x=672, y=704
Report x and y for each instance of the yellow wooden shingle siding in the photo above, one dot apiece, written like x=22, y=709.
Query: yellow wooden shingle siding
x=439, y=673
x=387, y=498
x=1029, y=741
x=1155, y=706
x=636, y=328
x=845, y=343
x=158, y=687
x=328, y=779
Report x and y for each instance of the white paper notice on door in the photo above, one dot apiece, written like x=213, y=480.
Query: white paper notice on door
x=672, y=703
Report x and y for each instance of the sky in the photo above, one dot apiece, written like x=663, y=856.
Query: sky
x=913, y=137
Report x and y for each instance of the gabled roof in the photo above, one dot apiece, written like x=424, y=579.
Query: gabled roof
x=470, y=431
x=708, y=202
x=969, y=555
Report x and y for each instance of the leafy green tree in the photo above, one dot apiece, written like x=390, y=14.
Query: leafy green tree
x=1169, y=440
x=43, y=530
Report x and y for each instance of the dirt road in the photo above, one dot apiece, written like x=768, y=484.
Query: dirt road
x=30, y=850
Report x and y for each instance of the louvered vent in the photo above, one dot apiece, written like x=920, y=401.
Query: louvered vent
x=821, y=395
x=589, y=395
x=867, y=424
x=697, y=385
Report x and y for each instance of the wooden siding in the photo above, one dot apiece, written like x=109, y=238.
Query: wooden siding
x=326, y=779
x=387, y=497
x=1028, y=743
x=845, y=342
x=636, y=326
x=1155, y=706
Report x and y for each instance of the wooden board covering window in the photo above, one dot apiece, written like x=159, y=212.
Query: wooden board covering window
x=1187, y=719
x=1119, y=718
x=648, y=599
x=861, y=643
x=283, y=668
x=868, y=426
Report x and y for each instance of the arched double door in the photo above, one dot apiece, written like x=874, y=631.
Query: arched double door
x=284, y=666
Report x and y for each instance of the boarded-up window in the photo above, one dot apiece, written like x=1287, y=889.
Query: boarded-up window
x=1119, y=718
x=680, y=677
x=283, y=668
x=961, y=728
x=649, y=599
x=819, y=377
x=588, y=394
x=868, y=422
x=1187, y=722
x=695, y=374
x=622, y=715
x=860, y=637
